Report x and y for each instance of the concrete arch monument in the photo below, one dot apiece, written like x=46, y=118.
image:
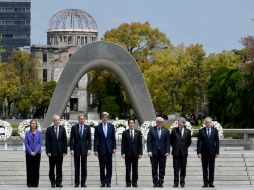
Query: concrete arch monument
x=111, y=57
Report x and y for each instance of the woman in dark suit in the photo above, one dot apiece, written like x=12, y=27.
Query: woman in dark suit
x=33, y=141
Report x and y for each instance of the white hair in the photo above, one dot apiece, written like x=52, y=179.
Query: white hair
x=56, y=117
x=182, y=119
x=159, y=119
x=104, y=113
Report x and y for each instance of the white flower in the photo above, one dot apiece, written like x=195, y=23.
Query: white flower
x=120, y=123
x=5, y=130
x=217, y=126
x=120, y=126
x=91, y=123
x=187, y=125
x=145, y=128
x=25, y=126
x=67, y=127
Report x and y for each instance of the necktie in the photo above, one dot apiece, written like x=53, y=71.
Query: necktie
x=208, y=132
x=181, y=130
x=132, y=136
x=105, y=129
x=56, y=130
x=81, y=131
x=159, y=132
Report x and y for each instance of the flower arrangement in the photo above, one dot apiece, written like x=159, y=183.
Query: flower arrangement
x=145, y=128
x=67, y=127
x=217, y=126
x=120, y=123
x=5, y=130
x=187, y=124
x=25, y=126
x=91, y=123
x=120, y=126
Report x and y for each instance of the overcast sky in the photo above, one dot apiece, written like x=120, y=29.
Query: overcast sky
x=217, y=24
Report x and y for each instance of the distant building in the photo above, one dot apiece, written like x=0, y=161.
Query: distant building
x=15, y=19
x=68, y=31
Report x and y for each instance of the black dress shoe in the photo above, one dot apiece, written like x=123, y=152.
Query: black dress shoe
x=83, y=185
x=155, y=185
x=182, y=184
x=53, y=185
x=211, y=185
x=134, y=185
x=76, y=185
x=175, y=185
x=160, y=185
x=59, y=185
x=108, y=185
x=128, y=185
x=205, y=185
x=102, y=185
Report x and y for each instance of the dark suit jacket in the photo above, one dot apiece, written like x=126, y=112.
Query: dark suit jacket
x=154, y=143
x=80, y=145
x=180, y=145
x=208, y=146
x=104, y=145
x=57, y=147
x=132, y=147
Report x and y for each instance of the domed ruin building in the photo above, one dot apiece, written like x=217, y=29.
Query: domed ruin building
x=68, y=31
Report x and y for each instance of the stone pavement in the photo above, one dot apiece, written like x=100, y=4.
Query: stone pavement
x=234, y=170
x=67, y=187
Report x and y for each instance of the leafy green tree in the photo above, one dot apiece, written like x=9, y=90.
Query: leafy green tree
x=105, y=85
x=2, y=50
x=231, y=98
x=141, y=41
x=44, y=96
x=9, y=85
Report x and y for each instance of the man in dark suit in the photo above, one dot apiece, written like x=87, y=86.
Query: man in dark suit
x=80, y=148
x=104, y=147
x=56, y=148
x=208, y=149
x=158, y=147
x=180, y=140
x=131, y=151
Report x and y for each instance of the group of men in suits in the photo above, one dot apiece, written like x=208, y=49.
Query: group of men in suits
x=159, y=141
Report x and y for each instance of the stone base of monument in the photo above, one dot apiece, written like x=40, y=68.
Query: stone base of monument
x=233, y=169
x=93, y=116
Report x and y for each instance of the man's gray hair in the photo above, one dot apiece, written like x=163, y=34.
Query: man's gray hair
x=56, y=117
x=182, y=119
x=81, y=115
x=159, y=119
x=104, y=114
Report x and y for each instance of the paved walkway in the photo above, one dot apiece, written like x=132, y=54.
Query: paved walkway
x=124, y=188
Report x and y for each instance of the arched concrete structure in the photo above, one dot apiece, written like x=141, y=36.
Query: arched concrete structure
x=111, y=57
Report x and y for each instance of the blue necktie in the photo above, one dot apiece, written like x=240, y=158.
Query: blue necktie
x=105, y=129
x=81, y=131
x=159, y=132
x=208, y=132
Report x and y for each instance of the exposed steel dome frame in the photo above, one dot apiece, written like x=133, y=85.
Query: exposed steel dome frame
x=72, y=19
